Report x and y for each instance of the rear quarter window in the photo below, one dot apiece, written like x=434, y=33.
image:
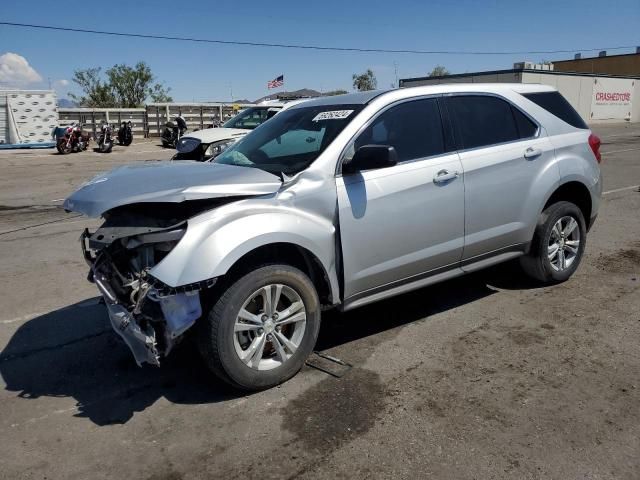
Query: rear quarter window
x=557, y=105
x=526, y=127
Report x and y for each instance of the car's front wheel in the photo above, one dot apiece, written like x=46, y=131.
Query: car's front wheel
x=262, y=328
x=558, y=244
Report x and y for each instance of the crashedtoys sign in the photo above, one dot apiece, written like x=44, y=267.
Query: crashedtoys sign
x=612, y=98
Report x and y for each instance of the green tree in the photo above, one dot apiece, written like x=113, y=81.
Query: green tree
x=97, y=93
x=331, y=93
x=439, y=71
x=125, y=87
x=133, y=85
x=365, y=81
x=160, y=94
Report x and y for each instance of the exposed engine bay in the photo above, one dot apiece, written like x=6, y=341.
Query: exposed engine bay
x=150, y=316
x=146, y=208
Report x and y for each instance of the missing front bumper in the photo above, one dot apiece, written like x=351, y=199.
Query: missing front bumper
x=148, y=315
x=141, y=343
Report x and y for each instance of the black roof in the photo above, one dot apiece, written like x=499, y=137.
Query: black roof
x=346, y=99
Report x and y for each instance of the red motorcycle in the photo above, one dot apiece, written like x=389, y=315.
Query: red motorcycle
x=73, y=139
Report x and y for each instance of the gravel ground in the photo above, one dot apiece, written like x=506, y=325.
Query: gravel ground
x=486, y=376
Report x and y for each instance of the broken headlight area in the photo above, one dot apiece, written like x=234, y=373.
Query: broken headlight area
x=202, y=152
x=151, y=317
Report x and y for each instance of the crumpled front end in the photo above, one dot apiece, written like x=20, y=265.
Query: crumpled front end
x=150, y=316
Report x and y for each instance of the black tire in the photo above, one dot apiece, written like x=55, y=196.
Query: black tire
x=536, y=264
x=62, y=147
x=216, y=330
x=106, y=147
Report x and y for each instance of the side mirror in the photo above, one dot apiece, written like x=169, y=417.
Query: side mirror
x=370, y=157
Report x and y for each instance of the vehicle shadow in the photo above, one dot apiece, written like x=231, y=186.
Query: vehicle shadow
x=72, y=352
x=340, y=328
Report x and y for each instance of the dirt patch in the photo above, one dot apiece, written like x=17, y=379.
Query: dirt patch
x=335, y=411
x=166, y=476
x=623, y=261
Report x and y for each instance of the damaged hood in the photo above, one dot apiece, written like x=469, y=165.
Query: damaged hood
x=171, y=182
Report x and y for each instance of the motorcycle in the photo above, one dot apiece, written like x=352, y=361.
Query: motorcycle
x=71, y=139
x=105, y=142
x=172, y=132
x=125, y=136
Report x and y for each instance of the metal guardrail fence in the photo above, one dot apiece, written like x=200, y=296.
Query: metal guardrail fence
x=92, y=118
x=150, y=121
x=197, y=115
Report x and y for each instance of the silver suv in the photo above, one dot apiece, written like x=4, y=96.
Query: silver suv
x=337, y=202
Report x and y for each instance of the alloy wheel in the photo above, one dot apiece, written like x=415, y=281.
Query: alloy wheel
x=564, y=243
x=269, y=327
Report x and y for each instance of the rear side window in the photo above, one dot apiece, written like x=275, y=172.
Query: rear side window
x=482, y=120
x=557, y=105
x=413, y=128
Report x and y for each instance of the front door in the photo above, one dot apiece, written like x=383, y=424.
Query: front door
x=406, y=220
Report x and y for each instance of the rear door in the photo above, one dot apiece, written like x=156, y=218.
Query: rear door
x=504, y=153
x=400, y=222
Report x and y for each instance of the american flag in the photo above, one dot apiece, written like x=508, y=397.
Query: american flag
x=276, y=82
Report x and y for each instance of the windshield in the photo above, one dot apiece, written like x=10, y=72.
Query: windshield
x=290, y=141
x=248, y=119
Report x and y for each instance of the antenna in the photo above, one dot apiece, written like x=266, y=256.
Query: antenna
x=395, y=67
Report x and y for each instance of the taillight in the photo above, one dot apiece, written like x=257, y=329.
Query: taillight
x=594, y=143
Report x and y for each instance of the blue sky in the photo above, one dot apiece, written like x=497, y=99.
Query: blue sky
x=198, y=72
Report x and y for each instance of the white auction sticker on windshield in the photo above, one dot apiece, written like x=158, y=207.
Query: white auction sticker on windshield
x=332, y=115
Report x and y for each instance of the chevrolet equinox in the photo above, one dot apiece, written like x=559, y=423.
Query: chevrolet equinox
x=337, y=202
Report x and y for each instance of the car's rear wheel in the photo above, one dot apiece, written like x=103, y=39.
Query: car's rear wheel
x=262, y=328
x=558, y=244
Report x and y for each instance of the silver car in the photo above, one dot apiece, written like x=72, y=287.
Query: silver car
x=337, y=203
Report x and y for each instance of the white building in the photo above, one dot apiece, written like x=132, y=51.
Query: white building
x=596, y=97
x=27, y=116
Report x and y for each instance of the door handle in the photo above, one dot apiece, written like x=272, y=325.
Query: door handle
x=532, y=152
x=444, y=176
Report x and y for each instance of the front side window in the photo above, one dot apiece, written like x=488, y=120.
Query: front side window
x=413, y=128
x=482, y=120
x=248, y=119
x=290, y=141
